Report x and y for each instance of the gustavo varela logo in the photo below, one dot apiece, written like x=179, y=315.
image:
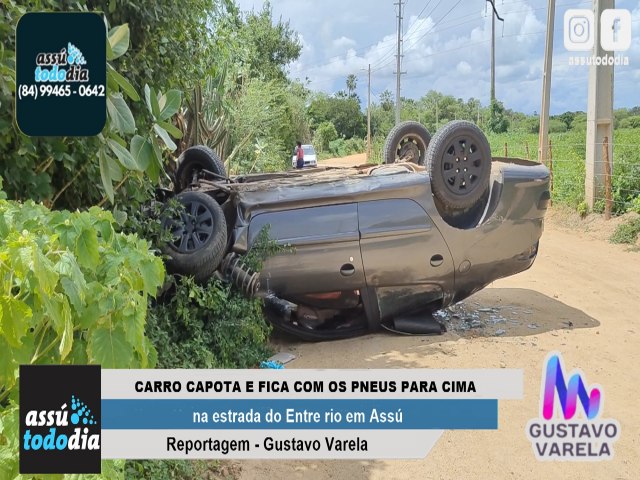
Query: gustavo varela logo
x=566, y=432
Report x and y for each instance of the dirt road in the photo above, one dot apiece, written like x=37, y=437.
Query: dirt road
x=349, y=161
x=580, y=298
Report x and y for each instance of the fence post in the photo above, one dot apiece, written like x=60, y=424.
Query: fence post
x=607, y=179
x=526, y=146
x=550, y=166
x=506, y=153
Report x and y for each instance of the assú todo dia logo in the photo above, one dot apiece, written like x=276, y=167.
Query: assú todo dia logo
x=79, y=417
x=60, y=420
x=63, y=66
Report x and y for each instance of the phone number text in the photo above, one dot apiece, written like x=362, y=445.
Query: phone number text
x=35, y=91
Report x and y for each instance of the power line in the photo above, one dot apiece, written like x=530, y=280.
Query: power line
x=420, y=14
x=468, y=45
x=338, y=58
x=389, y=53
x=447, y=25
x=429, y=31
x=436, y=23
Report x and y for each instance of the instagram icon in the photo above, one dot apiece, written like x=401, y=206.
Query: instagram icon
x=579, y=31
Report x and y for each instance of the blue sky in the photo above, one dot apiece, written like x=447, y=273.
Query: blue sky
x=447, y=48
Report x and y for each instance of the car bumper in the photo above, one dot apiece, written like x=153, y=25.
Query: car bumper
x=307, y=163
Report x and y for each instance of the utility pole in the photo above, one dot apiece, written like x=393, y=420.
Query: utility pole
x=543, y=136
x=494, y=15
x=369, y=118
x=398, y=60
x=493, y=58
x=599, y=112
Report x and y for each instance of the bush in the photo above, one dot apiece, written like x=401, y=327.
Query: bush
x=205, y=326
x=627, y=232
x=325, y=134
x=73, y=291
x=630, y=122
x=498, y=122
x=208, y=326
x=355, y=145
x=342, y=147
x=583, y=209
x=557, y=126
x=212, y=325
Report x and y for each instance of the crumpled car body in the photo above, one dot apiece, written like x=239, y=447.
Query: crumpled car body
x=371, y=246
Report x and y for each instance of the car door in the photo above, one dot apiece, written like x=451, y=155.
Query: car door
x=406, y=260
x=326, y=250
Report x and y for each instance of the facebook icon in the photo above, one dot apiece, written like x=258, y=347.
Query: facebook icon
x=615, y=29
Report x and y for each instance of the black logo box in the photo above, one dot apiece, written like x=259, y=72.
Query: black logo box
x=47, y=388
x=74, y=115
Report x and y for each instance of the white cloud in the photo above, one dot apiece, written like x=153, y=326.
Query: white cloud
x=450, y=54
x=464, y=68
x=344, y=42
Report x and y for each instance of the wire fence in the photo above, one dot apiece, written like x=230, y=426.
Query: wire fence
x=618, y=187
x=616, y=177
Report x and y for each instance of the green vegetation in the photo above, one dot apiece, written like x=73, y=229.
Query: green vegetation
x=74, y=291
x=76, y=277
x=325, y=134
x=568, y=153
x=627, y=232
x=179, y=74
x=341, y=147
x=208, y=326
x=516, y=135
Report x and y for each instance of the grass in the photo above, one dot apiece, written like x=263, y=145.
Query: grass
x=627, y=232
x=568, y=152
x=568, y=156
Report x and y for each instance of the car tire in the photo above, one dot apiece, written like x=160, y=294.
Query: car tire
x=459, y=165
x=200, y=236
x=409, y=141
x=195, y=159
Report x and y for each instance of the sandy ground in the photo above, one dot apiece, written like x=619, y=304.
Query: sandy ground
x=580, y=297
x=348, y=161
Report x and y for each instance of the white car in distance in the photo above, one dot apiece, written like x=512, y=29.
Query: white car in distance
x=310, y=158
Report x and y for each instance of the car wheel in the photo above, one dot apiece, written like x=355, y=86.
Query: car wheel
x=408, y=142
x=199, y=236
x=459, y=164
x=194, y=160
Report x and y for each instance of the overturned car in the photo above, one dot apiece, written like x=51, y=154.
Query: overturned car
x=372, y=246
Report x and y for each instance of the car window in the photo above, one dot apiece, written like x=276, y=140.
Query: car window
x=392, y=215
x=308, y=224
x=309, y=150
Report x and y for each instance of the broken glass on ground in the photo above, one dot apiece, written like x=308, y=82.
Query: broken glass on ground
x=470, y=317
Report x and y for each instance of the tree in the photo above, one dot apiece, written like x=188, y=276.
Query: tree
x=270, y=46
x=269, y=117
x=557, y=126
x=344, y=113
x=382, y=121
x=630, y=122
x=498, y=122
x=386, y=101
x=352, y=82
x=325, y=134
x=65, y=172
